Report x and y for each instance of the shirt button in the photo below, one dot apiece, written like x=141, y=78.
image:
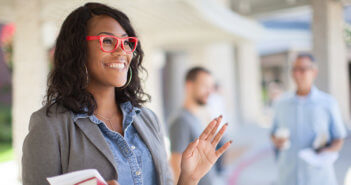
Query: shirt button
x=132, y=147
x=138, y=173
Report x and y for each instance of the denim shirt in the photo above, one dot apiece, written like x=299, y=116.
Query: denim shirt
x=133, y=158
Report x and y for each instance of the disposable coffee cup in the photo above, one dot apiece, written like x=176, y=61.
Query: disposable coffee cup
x=283, y=133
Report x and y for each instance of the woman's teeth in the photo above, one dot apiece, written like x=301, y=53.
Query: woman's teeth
x=116, y=65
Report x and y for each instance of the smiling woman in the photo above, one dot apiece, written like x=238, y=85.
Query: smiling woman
x=93, y=116
x=74, y=56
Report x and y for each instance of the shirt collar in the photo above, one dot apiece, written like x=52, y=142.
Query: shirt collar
x=311, y=96
x=126, y=107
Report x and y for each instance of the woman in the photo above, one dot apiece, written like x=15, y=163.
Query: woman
x=93, y=117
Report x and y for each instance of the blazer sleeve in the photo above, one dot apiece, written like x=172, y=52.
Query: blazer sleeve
x=162, y=135
x=41, y=151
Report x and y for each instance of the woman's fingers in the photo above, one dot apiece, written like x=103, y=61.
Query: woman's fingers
x=207, y=130
x=219, y=135
x=214, y=129
x=190, y=149
x=221, y=150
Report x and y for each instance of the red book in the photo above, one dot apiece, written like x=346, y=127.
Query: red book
x=91, y=181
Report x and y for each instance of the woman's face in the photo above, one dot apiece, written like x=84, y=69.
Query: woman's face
x=106, y=69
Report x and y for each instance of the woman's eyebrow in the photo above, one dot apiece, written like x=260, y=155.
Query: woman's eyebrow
x=105, y=33
x=108, y=33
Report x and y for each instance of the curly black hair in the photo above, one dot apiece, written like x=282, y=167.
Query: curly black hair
x=68, y=80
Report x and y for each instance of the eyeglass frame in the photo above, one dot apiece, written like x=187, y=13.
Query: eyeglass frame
x=301, y=69
x=119, y=40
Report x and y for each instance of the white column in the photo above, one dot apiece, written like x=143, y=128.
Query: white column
x=30, y=69
x=219, y=58
x=249, y=79
x=174, y=78
x=330, y=52
x=154, y=61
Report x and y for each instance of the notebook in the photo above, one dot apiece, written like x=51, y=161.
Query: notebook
x=81, y=177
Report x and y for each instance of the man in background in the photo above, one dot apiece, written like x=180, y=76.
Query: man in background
x=307, y=120
x=186, y=126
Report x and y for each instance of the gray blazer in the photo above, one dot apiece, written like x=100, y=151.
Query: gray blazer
x=56, y=145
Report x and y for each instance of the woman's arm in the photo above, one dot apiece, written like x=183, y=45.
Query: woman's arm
x=175, y=161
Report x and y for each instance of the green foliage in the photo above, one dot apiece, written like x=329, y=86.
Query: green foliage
x=348, y=34
x=5, y=124
x=8, y=51
x=6, y=152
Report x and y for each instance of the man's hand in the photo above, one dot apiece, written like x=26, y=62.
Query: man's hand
x=335, y=146
x=279, y=142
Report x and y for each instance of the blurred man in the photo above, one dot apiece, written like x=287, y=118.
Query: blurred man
x=186, y=127
x=306, y=120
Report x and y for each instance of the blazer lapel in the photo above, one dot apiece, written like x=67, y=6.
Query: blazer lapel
x=93, y=133
x=145, y=133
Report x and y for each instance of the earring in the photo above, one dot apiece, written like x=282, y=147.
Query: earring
x=87, y=74
x=129, y=79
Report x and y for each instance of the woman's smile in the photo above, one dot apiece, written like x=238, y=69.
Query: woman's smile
x=116, y=65
x=119, y=63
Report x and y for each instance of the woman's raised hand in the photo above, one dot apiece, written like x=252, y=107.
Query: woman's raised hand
x=200, y=155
